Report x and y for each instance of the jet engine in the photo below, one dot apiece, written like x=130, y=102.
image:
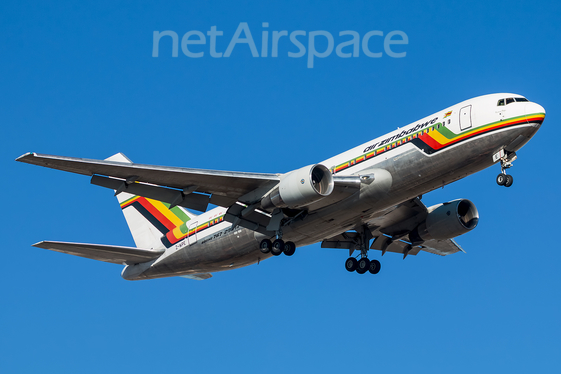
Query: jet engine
x=300, y=188
x=446, y=221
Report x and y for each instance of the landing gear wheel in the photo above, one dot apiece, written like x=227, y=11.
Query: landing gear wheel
x=509, y=180
x=501, y=179
x=265, y=246
x=277, y=248
x=289, y=248
x=375, y=267
x=363, y=265
x=351, y=264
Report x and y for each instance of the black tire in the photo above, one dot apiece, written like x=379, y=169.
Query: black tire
x=289, y=248
x=375, y=267
x=363, y=265
x=265, y=246
x=501, y=179
x=509, y=180
x=277, y=248
x=351, y=264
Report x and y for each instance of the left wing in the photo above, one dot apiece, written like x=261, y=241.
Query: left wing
x=222, y=188
x=241, y=192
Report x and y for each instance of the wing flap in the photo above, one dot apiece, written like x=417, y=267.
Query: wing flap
x=441, y=247
x=107, y=253
x=193, y=201
x=200, y=276
x=347, y=240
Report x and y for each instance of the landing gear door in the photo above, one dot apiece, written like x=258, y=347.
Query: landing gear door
x=192, y=233
x=465, y=118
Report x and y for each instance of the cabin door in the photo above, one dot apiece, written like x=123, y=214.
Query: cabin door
x=192, y=233
x=465, y=118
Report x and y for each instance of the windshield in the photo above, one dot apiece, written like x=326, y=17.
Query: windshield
x=509, y=100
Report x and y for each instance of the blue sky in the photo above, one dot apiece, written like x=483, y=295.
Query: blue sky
x=79, y=80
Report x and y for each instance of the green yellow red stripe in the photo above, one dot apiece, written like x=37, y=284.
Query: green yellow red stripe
x=439, y=136
x=181, y=232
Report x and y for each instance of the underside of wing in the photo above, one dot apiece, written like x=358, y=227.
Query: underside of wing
x=390, y=230
x=107, y=253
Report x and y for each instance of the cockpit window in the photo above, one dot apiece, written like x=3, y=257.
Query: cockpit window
x=503, y=102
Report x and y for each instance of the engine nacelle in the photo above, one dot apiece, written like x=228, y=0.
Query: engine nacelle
x=446, y=221
x=300, y=188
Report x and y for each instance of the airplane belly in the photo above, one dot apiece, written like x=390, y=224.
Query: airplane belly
x=233, y=249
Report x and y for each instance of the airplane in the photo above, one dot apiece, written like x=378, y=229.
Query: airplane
x=367, y=198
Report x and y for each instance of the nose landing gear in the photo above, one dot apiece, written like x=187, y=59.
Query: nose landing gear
x=504, y=179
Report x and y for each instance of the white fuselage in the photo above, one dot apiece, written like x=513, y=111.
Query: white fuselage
x=420, y=157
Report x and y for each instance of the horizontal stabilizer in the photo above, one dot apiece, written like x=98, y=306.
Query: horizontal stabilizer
x=108, y=253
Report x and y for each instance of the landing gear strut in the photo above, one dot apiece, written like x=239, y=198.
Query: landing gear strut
x=362, y=265
x=504, y=179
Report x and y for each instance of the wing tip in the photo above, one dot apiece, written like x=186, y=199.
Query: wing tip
x=41, y=244
x=26, y=156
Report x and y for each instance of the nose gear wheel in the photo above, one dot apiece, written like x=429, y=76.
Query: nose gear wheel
x=504, y=179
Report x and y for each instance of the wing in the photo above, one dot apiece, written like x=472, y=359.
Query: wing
x=191, y=188
x=108, y=253
x=241, y=192
x=390, y=228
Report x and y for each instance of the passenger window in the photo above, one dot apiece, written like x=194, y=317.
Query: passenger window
x=509, y=100
x=501, y=102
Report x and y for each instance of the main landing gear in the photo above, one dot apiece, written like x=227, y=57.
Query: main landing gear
x=504, y=179
x=277, y=247
x=363, y=265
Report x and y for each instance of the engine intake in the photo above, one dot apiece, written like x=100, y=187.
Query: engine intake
x=446, y=221
x=300, y=187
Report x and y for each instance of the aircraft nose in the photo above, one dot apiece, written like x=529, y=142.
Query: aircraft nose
x=534, y=108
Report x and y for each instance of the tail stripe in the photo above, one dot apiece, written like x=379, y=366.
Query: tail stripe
x=150, y=217
x=162, y=209
x=157, y=213
x=175, y=214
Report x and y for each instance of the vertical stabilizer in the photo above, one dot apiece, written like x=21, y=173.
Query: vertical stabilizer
x=149, y=220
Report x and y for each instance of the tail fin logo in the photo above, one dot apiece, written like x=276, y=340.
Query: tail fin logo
x=157, y=213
